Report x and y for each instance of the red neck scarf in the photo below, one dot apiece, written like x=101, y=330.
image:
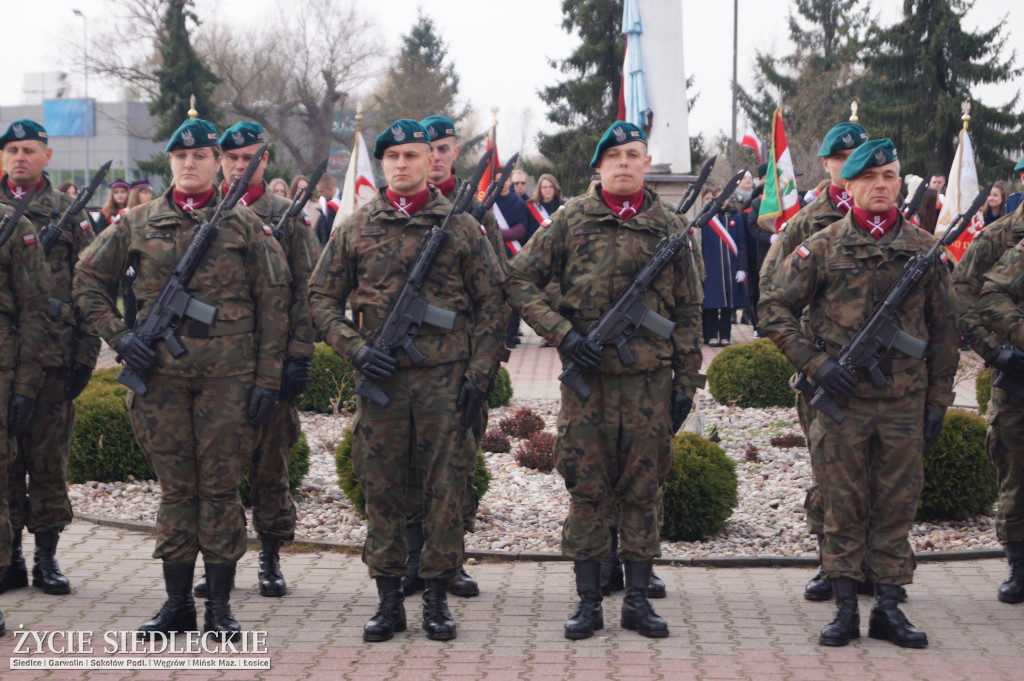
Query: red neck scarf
x=252, y=193
x=842, y=200
x=19, y=191
x=876, y=224
x=624, y=206
x=446, y=187
x=408, y=205
x=190, y=202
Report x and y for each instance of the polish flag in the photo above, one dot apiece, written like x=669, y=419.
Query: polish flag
x=750, y=140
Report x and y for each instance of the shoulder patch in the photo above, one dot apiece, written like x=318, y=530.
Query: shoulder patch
x=29, y=239
x=803, y=251
x=943, y=257
x=783, y=227
x=84, y=224
x=268, y=230
x=305, y=219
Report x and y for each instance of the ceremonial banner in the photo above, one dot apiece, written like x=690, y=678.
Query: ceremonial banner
x=492, y=165
x=359, y=186
x=750, y=140
x=961, y=190
x=781, y=200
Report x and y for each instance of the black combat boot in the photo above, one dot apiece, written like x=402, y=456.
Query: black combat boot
x=437, y=619
x=46, y=574
x=611, y=567
x=412, y=582
x=178, y=613
x=819, y=588
x=1012, y=588
x=867, y=588
x=589, y=615
x=201, y=590
x=15, y=575
x=887, y=621
x=218, y=615
x=463, y=585
x=637, y=613
x=389, y=616
x=271, y=580
x=845, y=623
x=656, y=587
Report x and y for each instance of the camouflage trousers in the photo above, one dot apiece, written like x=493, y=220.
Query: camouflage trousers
x=273, y=512
x=613, y=452
x=196, y=435
x=419, y=430
x=6, y=454
x=871, y=482
x=813, y=503
x=1003, y=445
x=42, y=453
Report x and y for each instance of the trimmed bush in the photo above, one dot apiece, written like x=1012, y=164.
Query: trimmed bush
x=751, y=375
x=959, y=479
x=983, y=389
x=332, y=383
x=103, y=445
x=481, y=475
x=700, y=490
x=537, y=452
x=501, y=393
x=298, y=466
x=495, y=441
x=524, y=423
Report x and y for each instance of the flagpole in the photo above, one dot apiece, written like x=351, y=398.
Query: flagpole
x=355, y=146
x=735, y=48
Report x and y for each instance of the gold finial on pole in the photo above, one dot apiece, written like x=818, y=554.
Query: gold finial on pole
x=192, y=113
x=965, y=107
x=853, y=112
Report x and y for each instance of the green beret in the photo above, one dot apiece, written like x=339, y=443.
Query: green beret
x=438, y=127
x=843, y=136
x=402, y=131
x=23, y=129
x=193, y=133
x=869, y=155
x=241, y=134
x=620, y=132
x=1020, y=165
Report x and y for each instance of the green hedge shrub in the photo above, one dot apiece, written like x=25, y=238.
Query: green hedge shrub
x=501, y=393
x=959, y=479
x=103, y=445
x=751, y=375
x=331, y=383
x=700, y=490
x=298, y=466
x=983, y=389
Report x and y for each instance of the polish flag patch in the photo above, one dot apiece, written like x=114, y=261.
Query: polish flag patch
x=84, y=224
x=29, y=239
x=267, y=229
x=803, y=251
x=942, y=257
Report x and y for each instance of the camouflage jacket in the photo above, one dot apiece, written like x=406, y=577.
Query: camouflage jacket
x=243, y=274
x=489, y=225
x=841, y=273
x=24, y=307
x=969, y=276
x=301, y=249
x=594, y=255
x=815, y=216
x=365, y=262
x=68, y=339
x=999, y=303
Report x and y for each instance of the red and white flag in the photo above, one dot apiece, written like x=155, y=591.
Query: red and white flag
x=359, y=186
x=750, y=140
x=723, y=234
x=961, y=190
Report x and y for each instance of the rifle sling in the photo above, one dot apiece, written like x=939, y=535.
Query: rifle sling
x=193, y=329
x=371, y=322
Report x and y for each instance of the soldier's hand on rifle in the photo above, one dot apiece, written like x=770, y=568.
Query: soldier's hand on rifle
x=78, y=378
x=136, y=354
x=373, y=363
x=261, y=404
x=19, y=410
x=294, y=378
x=835, y=379
x=470, y=402
x=680, y=409
x=576, y=348
x=1009, y=359
x=932, y=428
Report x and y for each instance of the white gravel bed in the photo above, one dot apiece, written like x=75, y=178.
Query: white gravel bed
x=523, y=510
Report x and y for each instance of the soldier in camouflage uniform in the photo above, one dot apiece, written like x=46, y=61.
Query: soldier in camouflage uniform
x=42, y=449
x=199, y=420
x=273, y=513
x=24, y=304
x=1005, y=410
x=613, y=449
x=829, y=206
x=872, y=462
x=432, y=403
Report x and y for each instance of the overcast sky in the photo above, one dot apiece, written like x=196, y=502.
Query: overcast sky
x=529, y=32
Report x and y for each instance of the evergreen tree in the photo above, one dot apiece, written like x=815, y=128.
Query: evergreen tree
x=921, y=69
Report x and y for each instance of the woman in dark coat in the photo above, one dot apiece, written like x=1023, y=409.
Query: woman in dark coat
x=724, y=246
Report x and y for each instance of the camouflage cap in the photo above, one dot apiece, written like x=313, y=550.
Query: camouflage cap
x=120, y=182
x=438, y=127
x=1020, y=165
x=23, y=129
x=620, y=132
x=869, y=155
x=844, y=136
x=192, y=134
x=402, y=131
x=242, y=134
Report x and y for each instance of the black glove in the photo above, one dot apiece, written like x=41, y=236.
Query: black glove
x=835, y=379
x=575, y=348
x=470, y=402
x=136, y=355
x=373, y=363
x=261, y=405
x=680, y=409
x=78, y=378
x=1010, y=360
x=19, y=410
x=294, y=378
x=932, y=428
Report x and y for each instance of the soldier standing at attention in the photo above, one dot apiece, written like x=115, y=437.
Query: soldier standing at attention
x=431, y=403
x=613, y=449
x=829, y=206
x=873, y=471
x=43, y=446
x=273, y=513
x=199, y=420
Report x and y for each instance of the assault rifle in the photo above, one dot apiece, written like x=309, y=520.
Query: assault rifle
x=493, y=190
x=408, y=311
x=694, y=189
x=880, y=333
x=50, y=235
x=301, y=197
x=913, y=205
x=174, y=303
x=629, y=312
x=10, y=222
